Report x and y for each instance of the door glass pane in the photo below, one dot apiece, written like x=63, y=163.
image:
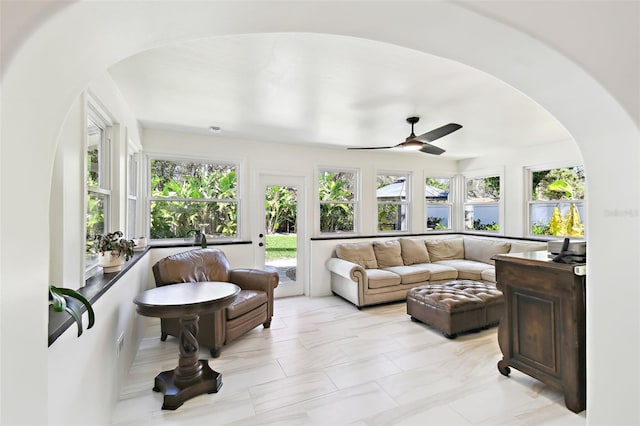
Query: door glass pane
x=281, y=226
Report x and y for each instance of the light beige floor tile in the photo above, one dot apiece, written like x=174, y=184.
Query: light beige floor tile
x=348, y=405
x=324, y=362
x=290, y=390
x=361, y=371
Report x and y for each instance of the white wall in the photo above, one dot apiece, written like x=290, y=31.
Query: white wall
x=36, y=83
x=84, y=375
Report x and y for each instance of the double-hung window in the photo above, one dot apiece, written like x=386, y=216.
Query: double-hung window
x=437, y=195
x=393, y=196
x=556, y=201
x=482, y=204
x=97, y=182
x=132, y=195
x=190, y=196
x=338, y=200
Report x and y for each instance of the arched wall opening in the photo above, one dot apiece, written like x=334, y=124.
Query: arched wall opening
x=63, y=55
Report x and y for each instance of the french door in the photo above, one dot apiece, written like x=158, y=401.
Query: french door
x=280, y=225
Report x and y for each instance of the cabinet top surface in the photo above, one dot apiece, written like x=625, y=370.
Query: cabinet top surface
x=534, y=257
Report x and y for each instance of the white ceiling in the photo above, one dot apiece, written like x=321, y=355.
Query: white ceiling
x=327, y=90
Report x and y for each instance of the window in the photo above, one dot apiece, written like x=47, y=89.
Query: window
x=482, y=204
x=132, y=195
x=556, y=202
x=392, y=194
x=438, y=203
x=187, y=196
x=338, y=201
x=97, y=183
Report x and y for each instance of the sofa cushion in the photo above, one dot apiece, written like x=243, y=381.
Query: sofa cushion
x=452, y=248
x=409, y=274
x=438, y=272
x=467, y=269
x=523, y=247
x=360, y=253
x=379, y=278
x=414, y=250
x=483, y=249
x=388, y=253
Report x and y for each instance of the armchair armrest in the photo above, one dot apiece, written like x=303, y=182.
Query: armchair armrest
x=256, y=279
x=349, y=270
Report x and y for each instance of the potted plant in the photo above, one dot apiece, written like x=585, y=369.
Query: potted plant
x=63, y=299
x=113, y=250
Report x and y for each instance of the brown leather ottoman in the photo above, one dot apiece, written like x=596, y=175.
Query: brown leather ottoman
x=456, y=306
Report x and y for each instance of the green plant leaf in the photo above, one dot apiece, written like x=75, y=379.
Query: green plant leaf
x=84, y=301
x=57, y=301
x=77, y=316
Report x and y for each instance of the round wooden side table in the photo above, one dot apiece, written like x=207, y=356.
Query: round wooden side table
x=192, y=377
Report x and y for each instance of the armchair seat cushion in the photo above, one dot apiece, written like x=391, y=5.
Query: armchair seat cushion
x=245, y=301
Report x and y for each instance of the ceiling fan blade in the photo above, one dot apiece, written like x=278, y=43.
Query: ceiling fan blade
x=438, y=133
x=431, y=149
x=373, y=147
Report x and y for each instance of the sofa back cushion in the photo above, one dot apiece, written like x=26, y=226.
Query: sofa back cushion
x=482, y=249
x=388, y=253
x=525, y=246
x=414, y=250
x=451, y=248
x=360, y=253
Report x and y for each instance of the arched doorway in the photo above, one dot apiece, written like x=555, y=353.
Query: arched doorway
x=52, y=66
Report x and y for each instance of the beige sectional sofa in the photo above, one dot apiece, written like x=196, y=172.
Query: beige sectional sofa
x=378, y=271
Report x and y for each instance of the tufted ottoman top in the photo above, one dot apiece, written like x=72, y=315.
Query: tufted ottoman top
x=456, y=296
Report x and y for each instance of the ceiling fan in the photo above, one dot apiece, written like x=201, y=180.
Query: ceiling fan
x=422, y=142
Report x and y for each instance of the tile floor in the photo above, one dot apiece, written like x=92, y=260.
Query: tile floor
x=324, y=362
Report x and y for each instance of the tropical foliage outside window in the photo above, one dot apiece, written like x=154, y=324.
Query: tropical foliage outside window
x=186, y=196
x=438, y=203
x=97, y=183
x=338, y=201
x=556, y=205
x=280, y=209
x=482, y=204
x=392, y=193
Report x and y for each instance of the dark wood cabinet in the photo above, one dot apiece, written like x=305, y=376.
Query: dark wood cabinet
x=542, y=332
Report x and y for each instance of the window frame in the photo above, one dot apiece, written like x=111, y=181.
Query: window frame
x=149, y=199
x=95, y=114
x=356, y=202
x=406, y=203
x=500, y=203
x=450, y=203
x=133, y=193
x=529, y=202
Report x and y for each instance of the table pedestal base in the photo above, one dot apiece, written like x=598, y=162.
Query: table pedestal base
x=209, y=381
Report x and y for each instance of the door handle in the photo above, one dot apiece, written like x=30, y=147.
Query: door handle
x=260, y=235
x=260, y=244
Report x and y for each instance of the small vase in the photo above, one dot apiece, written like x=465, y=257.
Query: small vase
x=110, y=262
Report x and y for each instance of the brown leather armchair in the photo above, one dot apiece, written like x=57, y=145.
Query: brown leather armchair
x=252, y=306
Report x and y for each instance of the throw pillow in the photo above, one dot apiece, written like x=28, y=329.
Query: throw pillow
x=414, y=250
x=482, y=250
x=360, y=253
x=452, y=248
x=388, y=253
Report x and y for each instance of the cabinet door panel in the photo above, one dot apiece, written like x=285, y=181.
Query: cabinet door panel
x=534, y=332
